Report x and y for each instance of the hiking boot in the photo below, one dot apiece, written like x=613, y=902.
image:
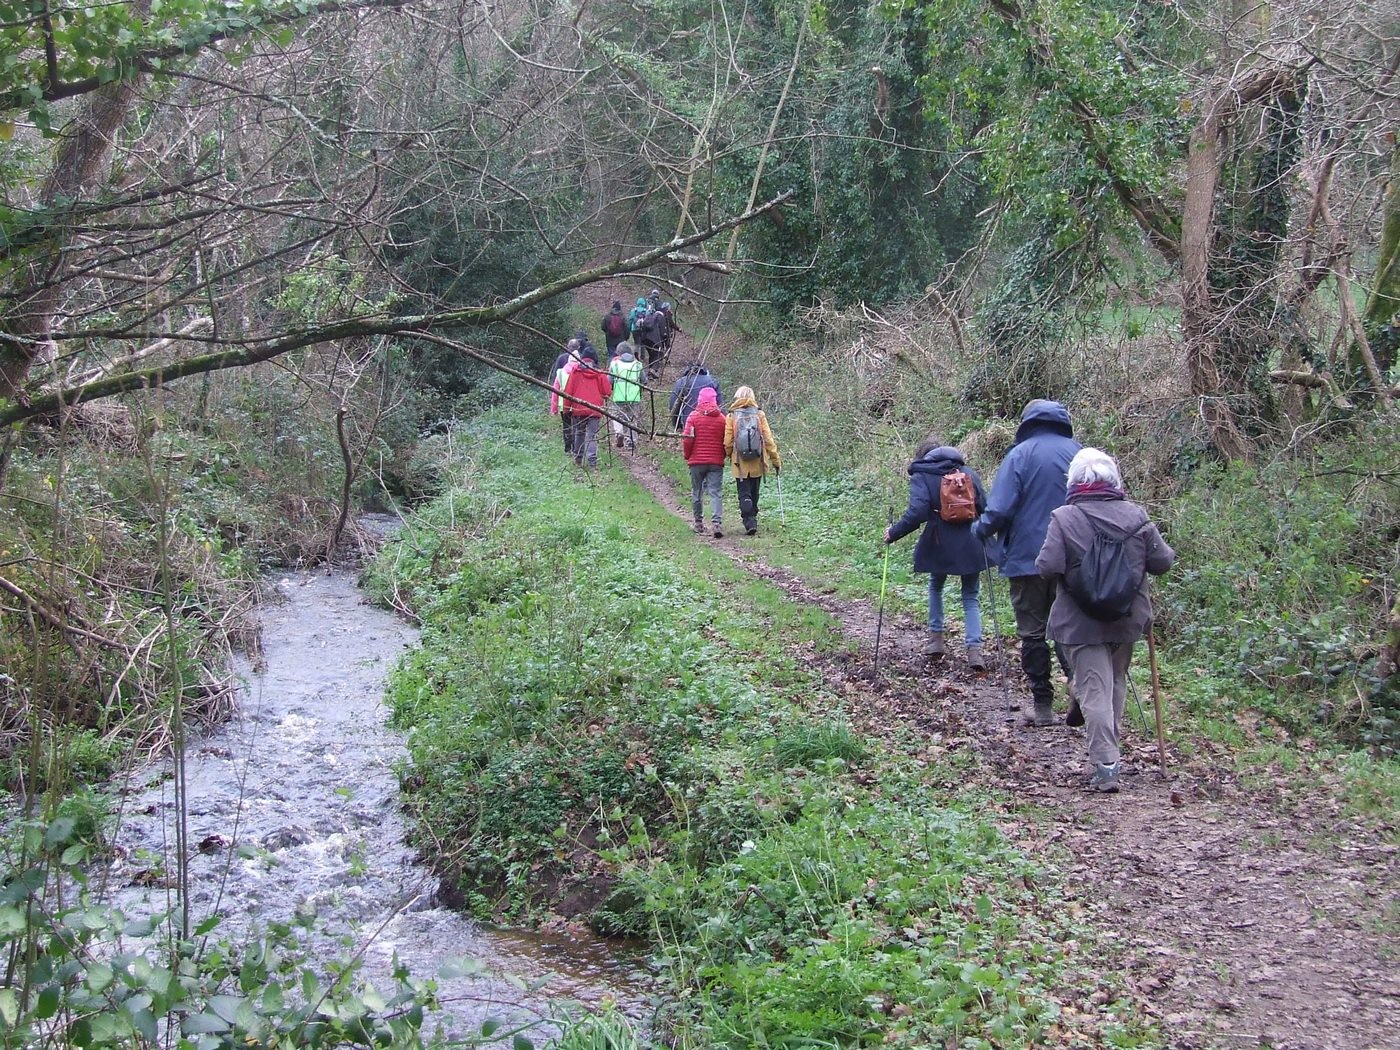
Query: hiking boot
x=752, y=530
x=935, y=648
x=1042, y=714
x=619, y=441
x=719, y=533
x=975, y=660
x=1104, y=778
x=699, y=526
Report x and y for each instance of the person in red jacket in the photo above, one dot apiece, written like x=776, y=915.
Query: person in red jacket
x=702, y=441
x=592, y=388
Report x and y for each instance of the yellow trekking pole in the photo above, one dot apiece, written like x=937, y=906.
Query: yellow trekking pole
x=880, y=616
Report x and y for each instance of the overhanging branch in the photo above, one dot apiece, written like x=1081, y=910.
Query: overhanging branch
x=256, y=351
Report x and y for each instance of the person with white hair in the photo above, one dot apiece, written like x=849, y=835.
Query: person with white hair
x=1098, y=551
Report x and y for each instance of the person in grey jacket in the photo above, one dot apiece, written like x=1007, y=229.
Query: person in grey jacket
x=1099, y=651
x=945, y=548
x=1029, y=485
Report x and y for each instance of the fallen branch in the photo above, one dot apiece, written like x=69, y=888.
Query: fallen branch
x=52, y=618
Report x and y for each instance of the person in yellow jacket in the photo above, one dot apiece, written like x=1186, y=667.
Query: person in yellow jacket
x=749, y=444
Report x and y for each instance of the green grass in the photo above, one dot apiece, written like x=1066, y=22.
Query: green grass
x=607, y=716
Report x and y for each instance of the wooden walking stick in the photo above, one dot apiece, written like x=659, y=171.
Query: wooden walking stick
x=1157, y=698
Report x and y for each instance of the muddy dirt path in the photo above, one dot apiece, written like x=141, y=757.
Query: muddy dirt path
x=294, y=808
x=1236, y=928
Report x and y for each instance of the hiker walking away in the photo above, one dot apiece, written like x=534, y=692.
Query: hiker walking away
x=634, y=320
x=626, y=372
x=669, y=328
x=685, y=392
x=751, y=450
x=1029, y=485
x=564, y=365
x=702, y=441
x=592, y=388
x=947, y=495
x=650, y=335
x=614, y=326
x=1098, y=552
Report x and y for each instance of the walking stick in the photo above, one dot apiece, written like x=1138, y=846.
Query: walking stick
x=880, y=616
x=782, y=510
x=1157, y=698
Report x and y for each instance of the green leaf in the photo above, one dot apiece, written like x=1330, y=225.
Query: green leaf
x=206, y=1023
x=9, y=1006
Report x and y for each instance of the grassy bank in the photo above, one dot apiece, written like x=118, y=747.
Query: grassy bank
x=607, y=719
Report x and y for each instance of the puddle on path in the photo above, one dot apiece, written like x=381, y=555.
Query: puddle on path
x=304, y=773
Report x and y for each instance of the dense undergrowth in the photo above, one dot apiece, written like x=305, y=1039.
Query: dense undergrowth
x=606, y=718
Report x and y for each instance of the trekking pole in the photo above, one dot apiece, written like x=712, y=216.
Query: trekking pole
x=880, y=615
x=1157, y=698
x=1001, y=639
x=1146, y=726
x=782, y=510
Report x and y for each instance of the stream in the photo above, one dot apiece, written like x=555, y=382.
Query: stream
x=294, y=807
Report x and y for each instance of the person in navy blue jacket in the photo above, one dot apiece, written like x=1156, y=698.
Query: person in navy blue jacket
x=1028, y=488
x=945, y=548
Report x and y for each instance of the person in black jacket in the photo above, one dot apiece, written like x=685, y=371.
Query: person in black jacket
x=945, y=549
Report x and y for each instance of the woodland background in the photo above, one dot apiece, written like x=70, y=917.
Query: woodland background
x=258, y=260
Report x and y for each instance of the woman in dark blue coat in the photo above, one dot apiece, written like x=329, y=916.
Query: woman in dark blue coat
x=945, y=549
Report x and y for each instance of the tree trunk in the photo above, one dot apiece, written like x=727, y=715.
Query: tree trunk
x=26, y=336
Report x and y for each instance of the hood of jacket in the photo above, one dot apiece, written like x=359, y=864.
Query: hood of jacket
x=743, y=402
x=1041, y=416
x=626, y=357
x=938, y=461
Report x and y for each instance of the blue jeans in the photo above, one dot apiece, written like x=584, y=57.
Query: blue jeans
x=972, y=608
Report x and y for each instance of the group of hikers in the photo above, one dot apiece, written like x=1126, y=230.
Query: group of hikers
x=650, y=328
x=583, y=392
x=1058, y=525
x=1076, y=553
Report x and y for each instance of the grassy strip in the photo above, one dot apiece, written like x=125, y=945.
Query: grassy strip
x=608, y=719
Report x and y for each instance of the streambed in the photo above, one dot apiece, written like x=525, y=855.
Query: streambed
x=294, y=807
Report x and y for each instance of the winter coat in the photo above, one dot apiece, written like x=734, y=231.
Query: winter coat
x=685, y=393
x=613, y=340
x=558, y=404
x=750, y=468
x=1029, y=485
x=944, y=549
x=555, y=383
x=635, y=315
x=1070, y=536
x=626, y=372
x=702, y=439
x=591, y=386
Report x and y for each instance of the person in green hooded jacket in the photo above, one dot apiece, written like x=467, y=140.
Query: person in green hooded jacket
x=626, y=372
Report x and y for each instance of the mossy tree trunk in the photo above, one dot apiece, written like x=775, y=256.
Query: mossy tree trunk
x=1383, y=304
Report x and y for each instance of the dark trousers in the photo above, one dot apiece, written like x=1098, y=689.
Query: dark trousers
x=1031, y=598
x=748, y=500
x=568, y=434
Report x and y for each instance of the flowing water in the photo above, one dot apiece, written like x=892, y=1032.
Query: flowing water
x=293, y=807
